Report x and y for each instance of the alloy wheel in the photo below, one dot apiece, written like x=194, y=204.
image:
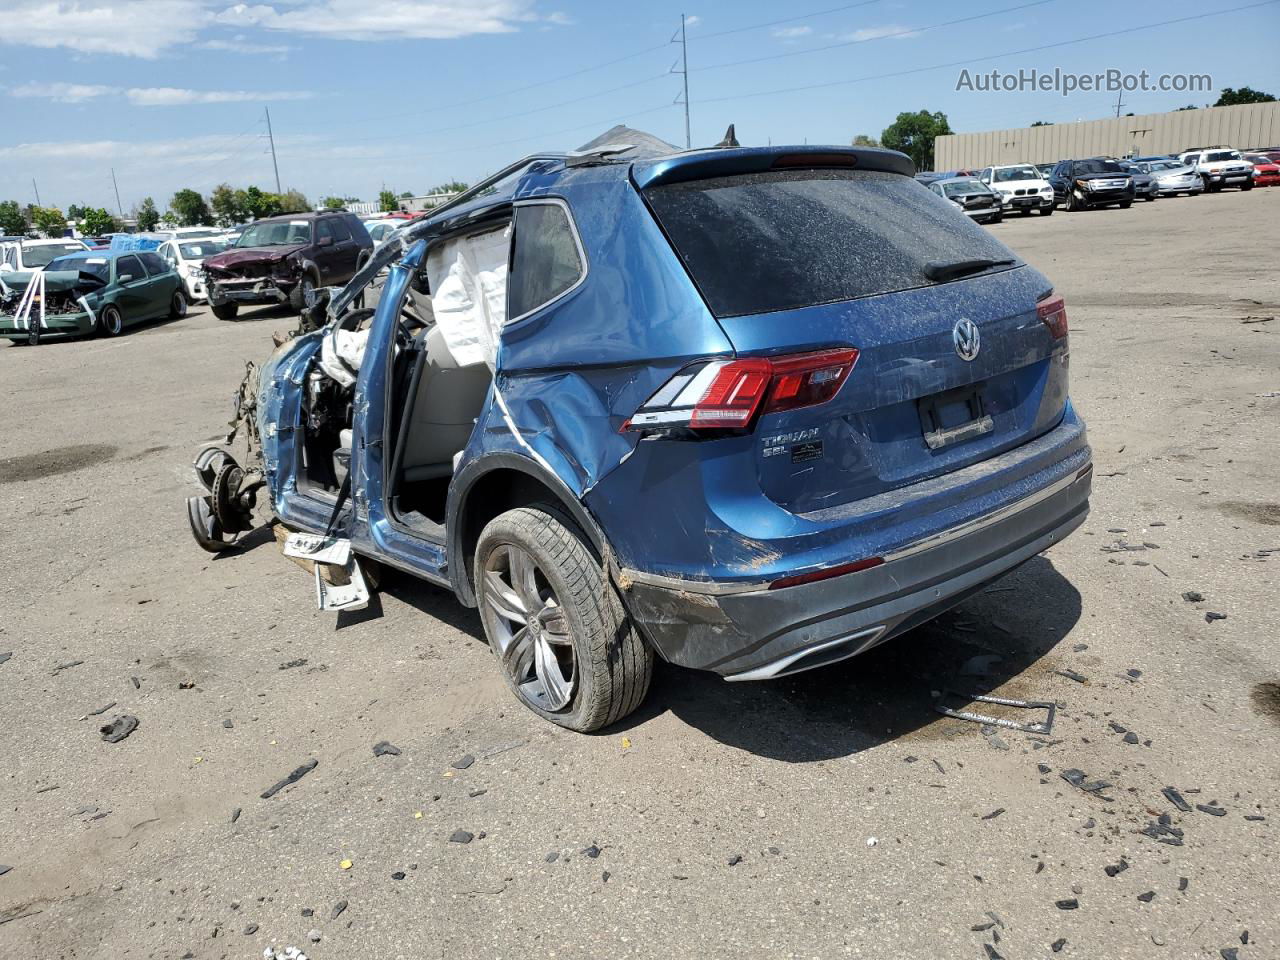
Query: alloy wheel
x=528, y=628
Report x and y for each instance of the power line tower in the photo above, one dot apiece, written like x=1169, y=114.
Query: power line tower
x=116, y=187
x=271, y=138
x=684, y=71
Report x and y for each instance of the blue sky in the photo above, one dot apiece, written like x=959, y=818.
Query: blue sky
x=409, y=93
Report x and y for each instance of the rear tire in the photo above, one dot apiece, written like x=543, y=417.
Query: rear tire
x=536, y=579
x=178, y=305
x=1046, y=211
x=1126, y=204
x=225, y=311
x=111, y=321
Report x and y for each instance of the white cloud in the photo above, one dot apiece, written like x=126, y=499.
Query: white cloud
x=892, y=31
x=692, y=20
x=151, y=96
x=791, y=33
x=136, y=28
x=239, y=44
x=152, y=28
x=384, y=19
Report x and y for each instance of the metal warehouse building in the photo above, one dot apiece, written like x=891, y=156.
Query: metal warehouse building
x=1247, y=125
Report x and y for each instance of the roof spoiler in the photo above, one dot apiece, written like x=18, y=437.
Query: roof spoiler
x=729, y=161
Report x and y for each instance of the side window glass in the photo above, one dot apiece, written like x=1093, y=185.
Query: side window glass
x=340, y=231
x=130, y=266
x=545, y=261
x=154, y=264
x=322, y=230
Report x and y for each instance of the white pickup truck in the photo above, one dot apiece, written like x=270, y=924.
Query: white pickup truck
x=1220, y=167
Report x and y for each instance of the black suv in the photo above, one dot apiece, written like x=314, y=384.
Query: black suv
x=1097, y=182
x=284, y=259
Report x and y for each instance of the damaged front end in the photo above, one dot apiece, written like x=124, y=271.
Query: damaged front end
x=252, y=281
x=36, y=306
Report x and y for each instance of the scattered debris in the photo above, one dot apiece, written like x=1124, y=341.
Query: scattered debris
x=344, y=865
x=1117, y=868
x=250, y=929
x=293, y=777
x=1077, y=778
x=227, y=723
x=384, y=749
x=235, y=814
x=463, y=762
x=302, y=662
x=1174, y=797
x=186, y=684
x=5, y=657
x=1072, y=675
x=398, y=875
x=1147, y=897
x=1183, y=883
x=991, y=952
x=137, y=684
x=1211, y=616
x=461, y=836
x=1163, y=832
x=67, y=666
x=338, y=907
x=1072, y=904
x=1058, y=944
x=4, y=868
x=994, y=813
x=591, y=852
x=119, y=728
x=1212, y=809
x=99, y=712
x=313, y=935
x=1193, y=596
x=735, y=860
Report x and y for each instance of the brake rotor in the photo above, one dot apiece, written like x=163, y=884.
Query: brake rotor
x=205, y=526
x=232, y=513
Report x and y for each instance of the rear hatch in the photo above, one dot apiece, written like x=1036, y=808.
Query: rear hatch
x=962, y=353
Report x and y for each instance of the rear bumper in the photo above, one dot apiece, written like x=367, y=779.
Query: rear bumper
x=757, y=633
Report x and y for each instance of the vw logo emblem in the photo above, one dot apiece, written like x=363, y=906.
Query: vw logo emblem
x=967, y=339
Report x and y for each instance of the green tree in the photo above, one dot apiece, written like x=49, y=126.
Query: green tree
x=261, y=204
x=169, y=219
x=407, y=195
x=387, y=201
x=76, y=212
x=914, y=133
x=1230, y=98
x=148, y=216
x=1042, y=123
x=12, y=222
x=294, y=201
x=96, y=222
x=50, y=221
x=229, y=206
x=1189, y=106
x=191, y=209
x=862, y=140
x=453, y=186
x=333, y=203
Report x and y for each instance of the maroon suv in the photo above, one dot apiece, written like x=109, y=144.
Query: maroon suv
x=284, y=259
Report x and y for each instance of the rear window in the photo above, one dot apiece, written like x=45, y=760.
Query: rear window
x=795, y=238
x=1219, y=155
x=1098, y=166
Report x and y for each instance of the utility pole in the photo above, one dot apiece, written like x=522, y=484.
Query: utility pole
x=684, y=62
x=37, y=190
x=272, y=139
x=119, y=205
x=1118, y=103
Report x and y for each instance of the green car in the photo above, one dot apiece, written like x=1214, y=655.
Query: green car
x=95, y=291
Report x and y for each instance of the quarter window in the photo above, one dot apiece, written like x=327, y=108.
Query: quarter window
x=545, y=261
x=340, y=231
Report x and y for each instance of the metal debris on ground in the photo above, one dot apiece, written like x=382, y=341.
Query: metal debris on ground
x=1174, y=797
x=1072, y=675
x=119, y=728
x=1044, y=726
x=288, y=953
x=463, y=762
x=1212, y=809
x=1212, y=616
x=384, y=749
x=293, y=777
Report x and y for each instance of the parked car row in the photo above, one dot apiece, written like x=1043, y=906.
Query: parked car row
x=1080, y=184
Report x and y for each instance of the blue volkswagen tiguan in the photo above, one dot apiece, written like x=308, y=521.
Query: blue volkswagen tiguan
x=749, y=410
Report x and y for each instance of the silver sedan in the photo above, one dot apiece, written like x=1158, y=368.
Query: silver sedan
x=1172, y=176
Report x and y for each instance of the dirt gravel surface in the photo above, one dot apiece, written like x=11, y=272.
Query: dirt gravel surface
x=831, y=814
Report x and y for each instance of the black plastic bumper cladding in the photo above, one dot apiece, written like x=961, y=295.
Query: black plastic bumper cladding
x=736, y=633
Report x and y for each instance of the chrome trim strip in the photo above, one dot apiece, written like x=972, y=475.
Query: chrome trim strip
x=716, y=588
x=771, y=670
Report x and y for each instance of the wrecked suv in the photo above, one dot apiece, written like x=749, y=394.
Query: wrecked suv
x=751, y=411
x=284, y=260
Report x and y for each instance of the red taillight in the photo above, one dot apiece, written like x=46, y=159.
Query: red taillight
x=728, y=394
x=815, y=575
x=1053, y=313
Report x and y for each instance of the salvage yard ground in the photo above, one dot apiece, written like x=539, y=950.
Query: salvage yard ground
x=830, y=814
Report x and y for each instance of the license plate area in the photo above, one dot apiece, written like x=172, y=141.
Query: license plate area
x=954, y=416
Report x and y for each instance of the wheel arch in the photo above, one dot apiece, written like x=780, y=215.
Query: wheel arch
x=494, y=484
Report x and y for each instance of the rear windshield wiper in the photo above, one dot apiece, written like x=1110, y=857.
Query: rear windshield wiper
x=944, y=270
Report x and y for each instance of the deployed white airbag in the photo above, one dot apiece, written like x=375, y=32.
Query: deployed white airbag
x=341, y=353
x=468, y=278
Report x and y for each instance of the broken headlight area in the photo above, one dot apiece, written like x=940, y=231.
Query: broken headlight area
x=285, y=270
